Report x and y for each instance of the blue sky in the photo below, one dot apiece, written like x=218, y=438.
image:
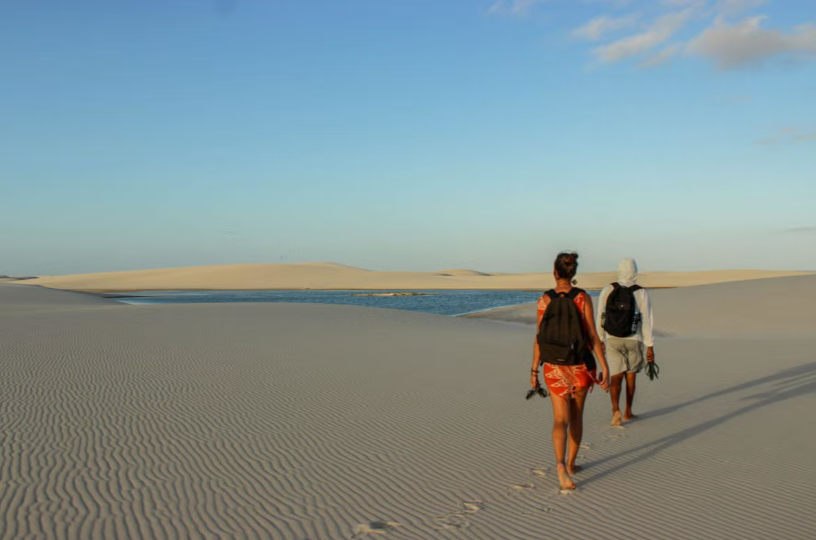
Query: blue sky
x=407, y=134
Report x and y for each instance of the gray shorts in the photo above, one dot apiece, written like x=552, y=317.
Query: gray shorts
x=624, y=355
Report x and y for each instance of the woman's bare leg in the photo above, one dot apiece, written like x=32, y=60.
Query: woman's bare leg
x=576, y=427
x=615, y=392
x=561, y=418
x=630, y=396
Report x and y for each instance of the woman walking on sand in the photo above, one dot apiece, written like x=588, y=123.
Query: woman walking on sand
x=569, y=371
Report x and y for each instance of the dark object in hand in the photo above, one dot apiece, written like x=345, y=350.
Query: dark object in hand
x=652, y=370
x=538, y=390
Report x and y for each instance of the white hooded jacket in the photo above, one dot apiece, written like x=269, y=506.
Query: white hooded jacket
x=627, y=276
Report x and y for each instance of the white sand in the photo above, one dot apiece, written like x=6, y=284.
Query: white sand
x=336, y=276
x=324, y=422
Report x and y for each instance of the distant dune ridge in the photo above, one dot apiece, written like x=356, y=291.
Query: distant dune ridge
x=8, y=279
x=461, y=272
x=337, y=276
x=294, y=421
x=785, y=305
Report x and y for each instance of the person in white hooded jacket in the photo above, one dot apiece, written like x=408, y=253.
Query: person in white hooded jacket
x=625, y=354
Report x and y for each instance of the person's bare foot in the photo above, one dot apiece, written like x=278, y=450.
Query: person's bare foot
x=573, y=468
x=616, y=419
x=629, y=417
x=564, y=477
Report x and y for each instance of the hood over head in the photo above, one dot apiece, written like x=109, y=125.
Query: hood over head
x=627, y=270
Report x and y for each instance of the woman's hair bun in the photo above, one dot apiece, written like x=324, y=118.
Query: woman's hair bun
x=566, y=265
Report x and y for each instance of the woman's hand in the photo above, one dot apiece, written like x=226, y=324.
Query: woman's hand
x=534, y=380
x=603, y=382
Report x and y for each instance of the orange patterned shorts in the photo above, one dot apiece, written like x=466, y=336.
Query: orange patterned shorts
x=563, y=381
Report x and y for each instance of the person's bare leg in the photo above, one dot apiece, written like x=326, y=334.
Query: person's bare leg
x=615, y=391
x=576, y=428
x=630, y=396
x=561, y=417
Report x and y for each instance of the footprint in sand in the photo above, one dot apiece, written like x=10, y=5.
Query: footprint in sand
x=374, y=527
x=619, y=433
x=471, y=507
x=456, y=520
x=541, y=472
x=521, y=487
x=453, y=524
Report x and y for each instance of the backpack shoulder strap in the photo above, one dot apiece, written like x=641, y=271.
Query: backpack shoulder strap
x=551, y=293
x=575, y=291
x=616, y=285
x=634, y=288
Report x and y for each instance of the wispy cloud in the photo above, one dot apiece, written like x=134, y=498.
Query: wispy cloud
x=747, y=43
x=789, y=135
x=600, y=27
x=731, y=34
x=657, y=33
x=514, y=7
x=661, y=57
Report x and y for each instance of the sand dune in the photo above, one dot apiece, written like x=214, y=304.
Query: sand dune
x=461, y=272
x=769, y=306
x=335, y=276
x=775, y=306
x=305, y=421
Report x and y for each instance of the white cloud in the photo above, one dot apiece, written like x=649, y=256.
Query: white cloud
x=514, y=7
x=746, y=43
x=659, y=32
x=722, y=31
x=661, y=57
x=598, y=27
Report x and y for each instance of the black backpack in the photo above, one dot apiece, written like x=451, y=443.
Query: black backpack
x=621, y=317
x=561, y=337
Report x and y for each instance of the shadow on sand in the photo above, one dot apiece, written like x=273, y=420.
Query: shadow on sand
x=784, y=385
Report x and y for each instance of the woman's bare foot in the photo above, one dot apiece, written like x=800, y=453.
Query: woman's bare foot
x=572, y=468
x=564, y=477
x=616, y=419
x=629, y=417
